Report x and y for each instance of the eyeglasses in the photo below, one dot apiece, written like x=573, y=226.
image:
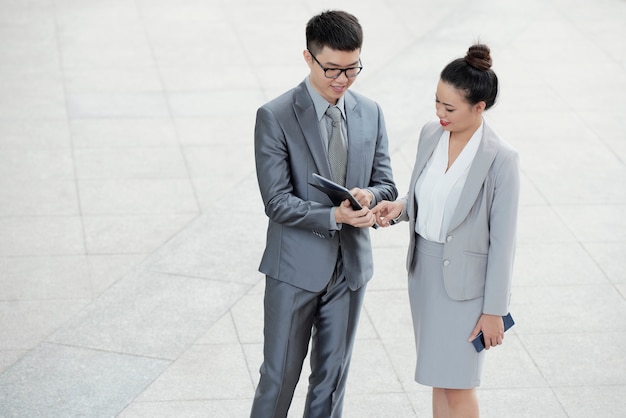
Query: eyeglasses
x=336, y=72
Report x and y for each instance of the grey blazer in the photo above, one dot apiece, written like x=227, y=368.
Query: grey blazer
x=301, y=249
x=480, y=242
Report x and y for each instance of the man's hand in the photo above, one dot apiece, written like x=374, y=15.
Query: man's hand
x=363, y=218
x=363, y=196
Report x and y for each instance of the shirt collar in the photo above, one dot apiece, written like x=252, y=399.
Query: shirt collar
x=321, y=104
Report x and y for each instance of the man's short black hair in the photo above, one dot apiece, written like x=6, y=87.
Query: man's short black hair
x=335, y=29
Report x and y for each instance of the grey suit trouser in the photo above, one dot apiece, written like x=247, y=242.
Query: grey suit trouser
x=294, y=316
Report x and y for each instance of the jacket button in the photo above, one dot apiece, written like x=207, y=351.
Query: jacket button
x=446, y=263
x=449, y=238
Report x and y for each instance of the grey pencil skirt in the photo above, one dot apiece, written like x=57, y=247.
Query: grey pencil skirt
x=445, y=358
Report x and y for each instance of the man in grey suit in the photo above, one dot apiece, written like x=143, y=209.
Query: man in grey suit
x=318, y=257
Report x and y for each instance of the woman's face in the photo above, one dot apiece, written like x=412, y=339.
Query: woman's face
x=454, y=112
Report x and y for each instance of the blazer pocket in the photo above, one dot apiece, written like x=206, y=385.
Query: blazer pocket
x=475, y=274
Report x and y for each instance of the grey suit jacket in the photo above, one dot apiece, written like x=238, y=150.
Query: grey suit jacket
x=301, y=247
x=480, y=242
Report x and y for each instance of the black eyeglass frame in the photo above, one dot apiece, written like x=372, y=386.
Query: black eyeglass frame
x=341, y=70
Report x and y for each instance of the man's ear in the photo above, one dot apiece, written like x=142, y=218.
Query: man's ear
x=307, y=56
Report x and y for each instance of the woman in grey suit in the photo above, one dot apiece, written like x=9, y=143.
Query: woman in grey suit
x=462, y=212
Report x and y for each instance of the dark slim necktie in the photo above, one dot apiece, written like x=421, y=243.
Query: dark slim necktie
x=337, y=151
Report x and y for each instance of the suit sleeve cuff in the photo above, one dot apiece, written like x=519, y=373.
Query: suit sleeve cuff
x=333, y=222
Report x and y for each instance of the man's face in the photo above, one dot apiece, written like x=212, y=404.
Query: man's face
x=332, y=89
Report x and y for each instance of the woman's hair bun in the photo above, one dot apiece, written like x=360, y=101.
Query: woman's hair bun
x=479, y=57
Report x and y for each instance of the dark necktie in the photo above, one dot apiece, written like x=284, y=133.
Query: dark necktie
x=337, y=151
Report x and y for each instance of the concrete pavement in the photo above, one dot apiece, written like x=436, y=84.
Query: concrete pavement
x=131, y=225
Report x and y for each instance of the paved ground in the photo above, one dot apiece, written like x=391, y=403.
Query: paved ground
x=131, y=225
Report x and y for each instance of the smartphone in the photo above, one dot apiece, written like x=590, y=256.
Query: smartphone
x=479, y=341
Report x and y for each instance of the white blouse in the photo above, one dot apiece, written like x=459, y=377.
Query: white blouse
x=437, y=191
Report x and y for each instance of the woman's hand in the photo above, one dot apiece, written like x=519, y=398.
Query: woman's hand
x=387, y=211
x=492, y=327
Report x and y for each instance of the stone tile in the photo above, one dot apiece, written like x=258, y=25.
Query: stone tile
x=223, y=408
x=579, y=359
x=222, y=332
x=520, y=403
x=254, y=358
x=611, y=135
x=530, y=195
x=20, y=236
x=123, y=133
x=82, y=80
x=37, y=278
x=395, y=238
x=584, y=308
x=216, y=130
x=510, y=366
x=150, y=314
x=105, y=270
x=160, y=11
x=190, y=78
x=247, y=315
x=595, y=222
x=130, y=163
x=401, y=352
x=215, y=160
x=117, y=105
x=188, y=44
x=389, y=269
x=38, y=198
x=94, y=12
x=421, y=400
x=547, y=226
x=279, y=12
x=390, y=313
x=70, y=381
x=8, y=357
x=34, y=105
x=188, y=254
x=590, y=151
x=249, y=207
x=136, y=197
x=196, y=375
x=34, y=134
x=540, y=264
x=25, y=323
x=365, y=328
x=208, y=190
x=379, y=405
x=587, y=401
x=371, y=377
x=211, y=103
x=609, y=257
x=89, y=57
x=588, y=190
x=36, y=164
x=43, y=55
x=616, y=145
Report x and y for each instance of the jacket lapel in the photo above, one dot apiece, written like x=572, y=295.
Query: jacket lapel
x=485, y=155
x=355, y=138
x=428, y=142
x=307, y=119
